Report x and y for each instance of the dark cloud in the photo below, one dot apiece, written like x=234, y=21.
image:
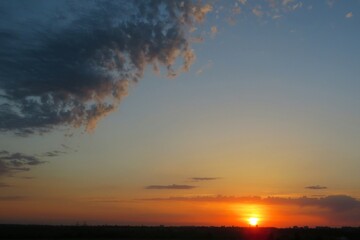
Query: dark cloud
x=67, y=148
x=16, y=162
x=316, y=187
x=12, y=198
x=70, y=63
x=204, y=178
x=28, y=178
x=4, y=185
x=173, y=186
x=54, y=153
x=105, y=200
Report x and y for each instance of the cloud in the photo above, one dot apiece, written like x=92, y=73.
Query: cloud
x=276, y=17
x=4, y=185
x=204, y=178
x=297, y=5
x=104, y=200
x=173, y=186
x=12, y=198
x=257, y=11
x=214, y=31
x=286, y=2
x=71, y=64
x=349, y=15
x=330, y=3
x=205, y=67
x=54, y=153
x=16, y=162
x=316, y=187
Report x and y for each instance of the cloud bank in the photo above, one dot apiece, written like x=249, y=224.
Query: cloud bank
x=71, y=63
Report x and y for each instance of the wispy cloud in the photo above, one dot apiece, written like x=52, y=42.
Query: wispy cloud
x=257, y=11
x=11, y=163
x=349, y=15
x=286, y=2
x=197, y=179
x=73, y=65
x=4, y=185
x=316, y=187
x=54, y=153
x=12, y=198
x=173, y=187
x=204, y=67
x=330, y=3
x=104, y=200
x=214, y=30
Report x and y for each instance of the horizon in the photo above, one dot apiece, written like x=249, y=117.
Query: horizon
x=180, y=113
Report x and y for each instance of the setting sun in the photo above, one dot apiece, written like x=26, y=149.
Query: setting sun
x=253, y=221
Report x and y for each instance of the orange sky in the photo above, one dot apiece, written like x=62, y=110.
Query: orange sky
x=210, y=210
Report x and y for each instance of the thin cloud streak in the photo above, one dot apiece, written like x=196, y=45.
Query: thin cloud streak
x=12, y=198
x=4, y=185
x=349, y=15
x=196, y=179
x=172, y=187
x=316, y=187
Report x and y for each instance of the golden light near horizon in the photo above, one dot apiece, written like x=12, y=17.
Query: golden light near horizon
x=251, y=214
x=253, y=221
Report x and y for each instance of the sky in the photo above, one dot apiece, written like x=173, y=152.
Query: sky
x=180, y=112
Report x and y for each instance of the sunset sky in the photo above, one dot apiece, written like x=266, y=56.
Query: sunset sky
x=180, y=112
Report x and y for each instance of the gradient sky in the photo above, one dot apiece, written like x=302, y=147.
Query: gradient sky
x=265, y=123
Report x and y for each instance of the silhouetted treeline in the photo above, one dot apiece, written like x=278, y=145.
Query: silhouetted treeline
x=47, y=232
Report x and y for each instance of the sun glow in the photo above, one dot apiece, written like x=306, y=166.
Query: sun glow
x=253, y=221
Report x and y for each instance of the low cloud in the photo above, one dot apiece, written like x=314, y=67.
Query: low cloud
x=12, y=198
x=4, y=185
x=316, y=187
x=11, y=163
x=173, y=187
x=54, y=153
x=204, y=178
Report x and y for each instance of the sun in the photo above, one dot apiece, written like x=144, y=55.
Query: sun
x=253, y=221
